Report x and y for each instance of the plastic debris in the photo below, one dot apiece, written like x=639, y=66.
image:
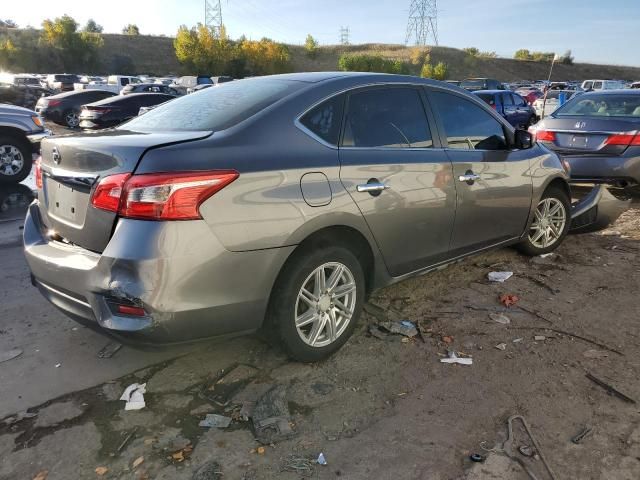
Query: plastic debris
x=58, y=365
x=213, y=420
x=405, y=327
x=517, y=340
x=539, y=338
x=321, y=459
x=137, y=462
x=10, y=354
x=582, y=434
x=42, y=475
x=500, y=318
x=509, y=299
x=499, y=277
x=546, y=255
x=453, y=358
x=501, y=346
x=134, y=396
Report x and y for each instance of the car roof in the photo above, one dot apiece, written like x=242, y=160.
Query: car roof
x=80, y=92
x=617, y=91
x=129, y=98
x=493, y=91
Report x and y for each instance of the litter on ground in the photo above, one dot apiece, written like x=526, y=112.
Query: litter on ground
x=134, y=396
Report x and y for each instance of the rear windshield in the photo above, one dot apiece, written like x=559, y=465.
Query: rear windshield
x=215, y=108
x=488, y=98
x=602, y=105
x=66, y=78
x=472, y=83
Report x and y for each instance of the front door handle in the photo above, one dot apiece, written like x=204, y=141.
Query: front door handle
x=373, y=187
x=469, y=177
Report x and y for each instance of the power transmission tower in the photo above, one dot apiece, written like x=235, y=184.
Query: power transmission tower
x=423, y=22
x=344, y=35
x=213, y=15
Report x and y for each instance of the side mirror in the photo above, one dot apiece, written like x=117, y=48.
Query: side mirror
x=523, y=140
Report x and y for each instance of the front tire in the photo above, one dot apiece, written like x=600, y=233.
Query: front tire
x=15, y=159
x=71, y=119
x=550, y=224
x=316, y=302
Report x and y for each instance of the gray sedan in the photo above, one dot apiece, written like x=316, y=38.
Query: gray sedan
x=598, y=134
x=282, y=202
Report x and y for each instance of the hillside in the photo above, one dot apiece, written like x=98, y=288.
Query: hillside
x=155, y=55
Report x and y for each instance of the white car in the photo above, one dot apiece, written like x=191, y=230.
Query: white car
x=552, y=102
x=114, y=83
x=602, y=85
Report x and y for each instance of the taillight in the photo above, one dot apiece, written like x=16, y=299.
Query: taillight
x=53, y=103
x=545, y=136
x=38, y=172
x=160, y=196
x=625, y=139
x=108, y=192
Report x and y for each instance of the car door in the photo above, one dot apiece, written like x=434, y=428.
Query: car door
x=523, y=111
x=493, y=182
x=509, y=109
x=399, y=178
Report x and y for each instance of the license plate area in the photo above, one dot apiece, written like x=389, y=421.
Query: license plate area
x=579, y=141
x=65, y=203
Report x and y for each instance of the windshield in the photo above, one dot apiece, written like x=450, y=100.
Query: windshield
x=472, y=83
x=66, y=78
x=602, y=105
x=215, y=108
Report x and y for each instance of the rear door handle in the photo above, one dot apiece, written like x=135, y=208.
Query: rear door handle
x=469, y=177
x=372, y=187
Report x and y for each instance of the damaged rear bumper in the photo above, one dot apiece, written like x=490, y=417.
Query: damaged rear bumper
x=177, y=274
x=596, y=210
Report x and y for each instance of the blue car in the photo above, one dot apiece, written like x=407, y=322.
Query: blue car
x=510, y=105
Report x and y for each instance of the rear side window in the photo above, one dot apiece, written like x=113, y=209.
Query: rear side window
x=386, y=117
x=467, y=125
x=488, y=98
x=519, y=101
x=216, y=108
x=507, y=100
x=325, y=119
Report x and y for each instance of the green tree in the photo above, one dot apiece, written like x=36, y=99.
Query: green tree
x=92, y=27
x=131, y=29
x=72, y=49
x=311, y=46
x=522, y=54
x=488, y=54
x=473, y=51
x=419, y=55
x=441, y=71
x=427, y=71
x=8, y=53
x=567, y=58
x=8, y=23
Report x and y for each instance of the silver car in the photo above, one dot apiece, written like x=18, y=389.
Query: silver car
x=282, y=202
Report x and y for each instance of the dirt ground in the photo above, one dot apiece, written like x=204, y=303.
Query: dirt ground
x=385, y=407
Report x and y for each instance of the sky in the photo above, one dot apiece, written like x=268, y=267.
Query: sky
x=596, y=31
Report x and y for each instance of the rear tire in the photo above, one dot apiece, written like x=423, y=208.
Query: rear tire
x=15, y=159
x=550, y=225
x=314, y=316
x=71, y=118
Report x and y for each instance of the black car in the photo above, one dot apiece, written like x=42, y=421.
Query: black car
x=510, y=105
x=473, y=84
x=64, y=108
x=22, y=95
x=113, y=111
x=148, y=88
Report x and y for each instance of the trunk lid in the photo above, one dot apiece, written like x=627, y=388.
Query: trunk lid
x=72, y=165
x=586, y=135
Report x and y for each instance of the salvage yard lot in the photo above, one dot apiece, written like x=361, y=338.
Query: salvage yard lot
x=383, y=408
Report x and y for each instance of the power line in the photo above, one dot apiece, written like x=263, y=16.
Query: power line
x=423, y=22
x=213, y=15
x=344, y=35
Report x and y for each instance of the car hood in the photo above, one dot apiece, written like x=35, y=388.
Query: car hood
x=6, y=109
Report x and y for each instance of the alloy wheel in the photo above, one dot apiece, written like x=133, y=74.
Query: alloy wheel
x=72, y=119
x=549, y=223
x=11, y=160
x=325, y=304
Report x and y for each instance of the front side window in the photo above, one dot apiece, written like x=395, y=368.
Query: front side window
x=387, y=117
x=519, y=101
x=507, y=100
x=325, y=119
x=467, y=125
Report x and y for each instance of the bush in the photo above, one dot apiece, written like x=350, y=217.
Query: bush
x=522, y=54
x=427, y=71
x=311, y=46
x=441, y=71
x=420, y=55
x=473, y=51
x=371, y=63
x=567, y=58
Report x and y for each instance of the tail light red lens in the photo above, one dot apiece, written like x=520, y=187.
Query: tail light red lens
x=625, y=139
x=53, y=103
x=545, y=136
x=160, y=196
x=38, y=173
x=108, y=193
x=131, y=310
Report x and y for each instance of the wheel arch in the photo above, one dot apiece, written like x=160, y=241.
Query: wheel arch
x=14, y=132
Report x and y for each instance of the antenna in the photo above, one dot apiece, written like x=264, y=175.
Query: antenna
x=423, y=22
x=213, y=15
